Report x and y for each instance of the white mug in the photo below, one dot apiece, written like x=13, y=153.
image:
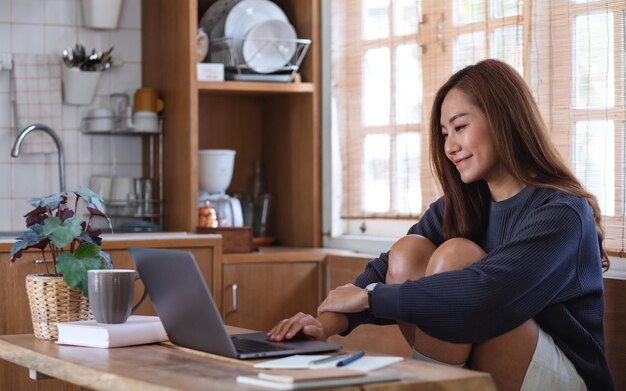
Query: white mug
x=122, y=190
x=101, y=184
x=146, y=121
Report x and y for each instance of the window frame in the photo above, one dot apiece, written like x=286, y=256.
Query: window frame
x=434, y=12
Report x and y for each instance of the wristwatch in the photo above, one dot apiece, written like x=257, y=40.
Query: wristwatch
x=370, y=289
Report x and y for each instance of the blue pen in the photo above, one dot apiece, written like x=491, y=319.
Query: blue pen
x=329, y=359
x=350, y=359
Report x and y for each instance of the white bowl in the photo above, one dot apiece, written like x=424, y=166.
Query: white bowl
x=247, y=13
x=100, y=120
x=215, y=168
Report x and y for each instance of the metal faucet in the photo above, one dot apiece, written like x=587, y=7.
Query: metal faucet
x=15, y=152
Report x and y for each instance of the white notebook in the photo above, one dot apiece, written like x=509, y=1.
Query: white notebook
x=137, y=330
x=322, y=382
x=300, y=361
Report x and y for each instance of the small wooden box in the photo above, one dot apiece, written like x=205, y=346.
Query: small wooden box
x=234, y=239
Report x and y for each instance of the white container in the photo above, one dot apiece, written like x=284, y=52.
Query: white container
x=215, y=168
x=146, y=121
x=210, y=72
x=101, y=14
x=79, y=87
x=100, y=120
x=101, y=184
x=122, y=191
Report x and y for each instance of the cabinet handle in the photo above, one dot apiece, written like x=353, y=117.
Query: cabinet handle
x=234, y=288
x=40, y=261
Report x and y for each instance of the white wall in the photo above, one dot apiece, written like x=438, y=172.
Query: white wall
x=48, y=26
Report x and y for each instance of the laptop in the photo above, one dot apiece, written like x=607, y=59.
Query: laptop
x=187, y=310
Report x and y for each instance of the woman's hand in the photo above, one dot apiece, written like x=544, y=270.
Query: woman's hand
x=320, y=328
x=346, y=298
x=288, y=328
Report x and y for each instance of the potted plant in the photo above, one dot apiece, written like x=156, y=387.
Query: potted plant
x=60, y=295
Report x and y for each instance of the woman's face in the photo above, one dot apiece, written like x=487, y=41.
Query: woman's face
x=467, y=141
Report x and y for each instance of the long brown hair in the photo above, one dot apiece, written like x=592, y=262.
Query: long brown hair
x=521, y=143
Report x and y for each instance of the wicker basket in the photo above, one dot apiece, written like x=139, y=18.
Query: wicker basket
x=52, y=301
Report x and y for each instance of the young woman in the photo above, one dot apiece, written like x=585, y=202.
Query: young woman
x=504, y=272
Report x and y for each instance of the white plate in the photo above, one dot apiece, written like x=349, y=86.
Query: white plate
x=247, y=13
x=269, y=46
x=212, y=21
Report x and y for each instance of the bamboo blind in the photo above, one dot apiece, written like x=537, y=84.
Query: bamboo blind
x=571, y=52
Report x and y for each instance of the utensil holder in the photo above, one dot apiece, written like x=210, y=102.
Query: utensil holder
x=79, y=87
x=101, y=14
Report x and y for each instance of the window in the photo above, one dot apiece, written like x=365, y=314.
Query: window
x=585, y=109
x=389, y=57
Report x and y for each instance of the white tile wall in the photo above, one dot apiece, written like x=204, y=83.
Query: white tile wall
x=5, y=178
x=48, y=26
x=5, y=217
x=5, y=33
x=27, y=38
x=27, y=11
x=5, y=10
x=61, y=12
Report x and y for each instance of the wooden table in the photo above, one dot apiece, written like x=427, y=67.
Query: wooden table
x=168, y=367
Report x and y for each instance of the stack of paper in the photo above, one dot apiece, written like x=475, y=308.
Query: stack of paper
x=301, y=361
x=137, y=330
x=297, y=372
x=314, y=378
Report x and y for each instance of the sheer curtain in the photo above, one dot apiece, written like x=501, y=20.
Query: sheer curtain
x=390, y=56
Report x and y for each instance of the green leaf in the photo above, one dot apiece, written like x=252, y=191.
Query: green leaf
x=32, y=237
x=92, y=198
x=61, y=233
x=88, y=250
x=51, y=202
x=74, y=267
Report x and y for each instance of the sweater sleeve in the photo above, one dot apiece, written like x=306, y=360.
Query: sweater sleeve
x=428, y=226
x=510, y=285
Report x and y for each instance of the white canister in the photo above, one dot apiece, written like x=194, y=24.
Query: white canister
x=79, y=87
x=100, y=120
x=146, y=121
x=101, y=14
x=215, y=168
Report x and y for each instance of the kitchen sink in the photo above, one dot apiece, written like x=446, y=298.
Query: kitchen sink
x=10, y=234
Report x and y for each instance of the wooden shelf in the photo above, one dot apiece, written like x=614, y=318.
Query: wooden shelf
x=248, y=87
x=273, y=122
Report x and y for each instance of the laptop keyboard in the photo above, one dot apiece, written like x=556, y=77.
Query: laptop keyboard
x=243, y=345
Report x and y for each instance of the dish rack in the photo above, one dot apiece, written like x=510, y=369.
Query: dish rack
x=228, y=51
x=112, y=125
x=143, y=212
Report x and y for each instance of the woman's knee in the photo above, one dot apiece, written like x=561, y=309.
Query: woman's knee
x=454, y=254
x=408, y=258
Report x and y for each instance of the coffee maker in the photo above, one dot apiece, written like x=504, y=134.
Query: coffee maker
x=215, y=167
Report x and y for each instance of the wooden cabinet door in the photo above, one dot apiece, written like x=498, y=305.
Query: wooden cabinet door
x=258, y=295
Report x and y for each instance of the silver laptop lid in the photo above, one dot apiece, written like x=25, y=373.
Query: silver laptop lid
x=177, y=290
x=188, y=313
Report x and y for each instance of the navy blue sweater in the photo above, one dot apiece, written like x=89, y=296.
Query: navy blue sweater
x=543, y=262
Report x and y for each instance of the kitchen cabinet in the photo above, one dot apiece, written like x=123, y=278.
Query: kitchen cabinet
x=15, y=314
x=260, y=289
x=276, y=123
